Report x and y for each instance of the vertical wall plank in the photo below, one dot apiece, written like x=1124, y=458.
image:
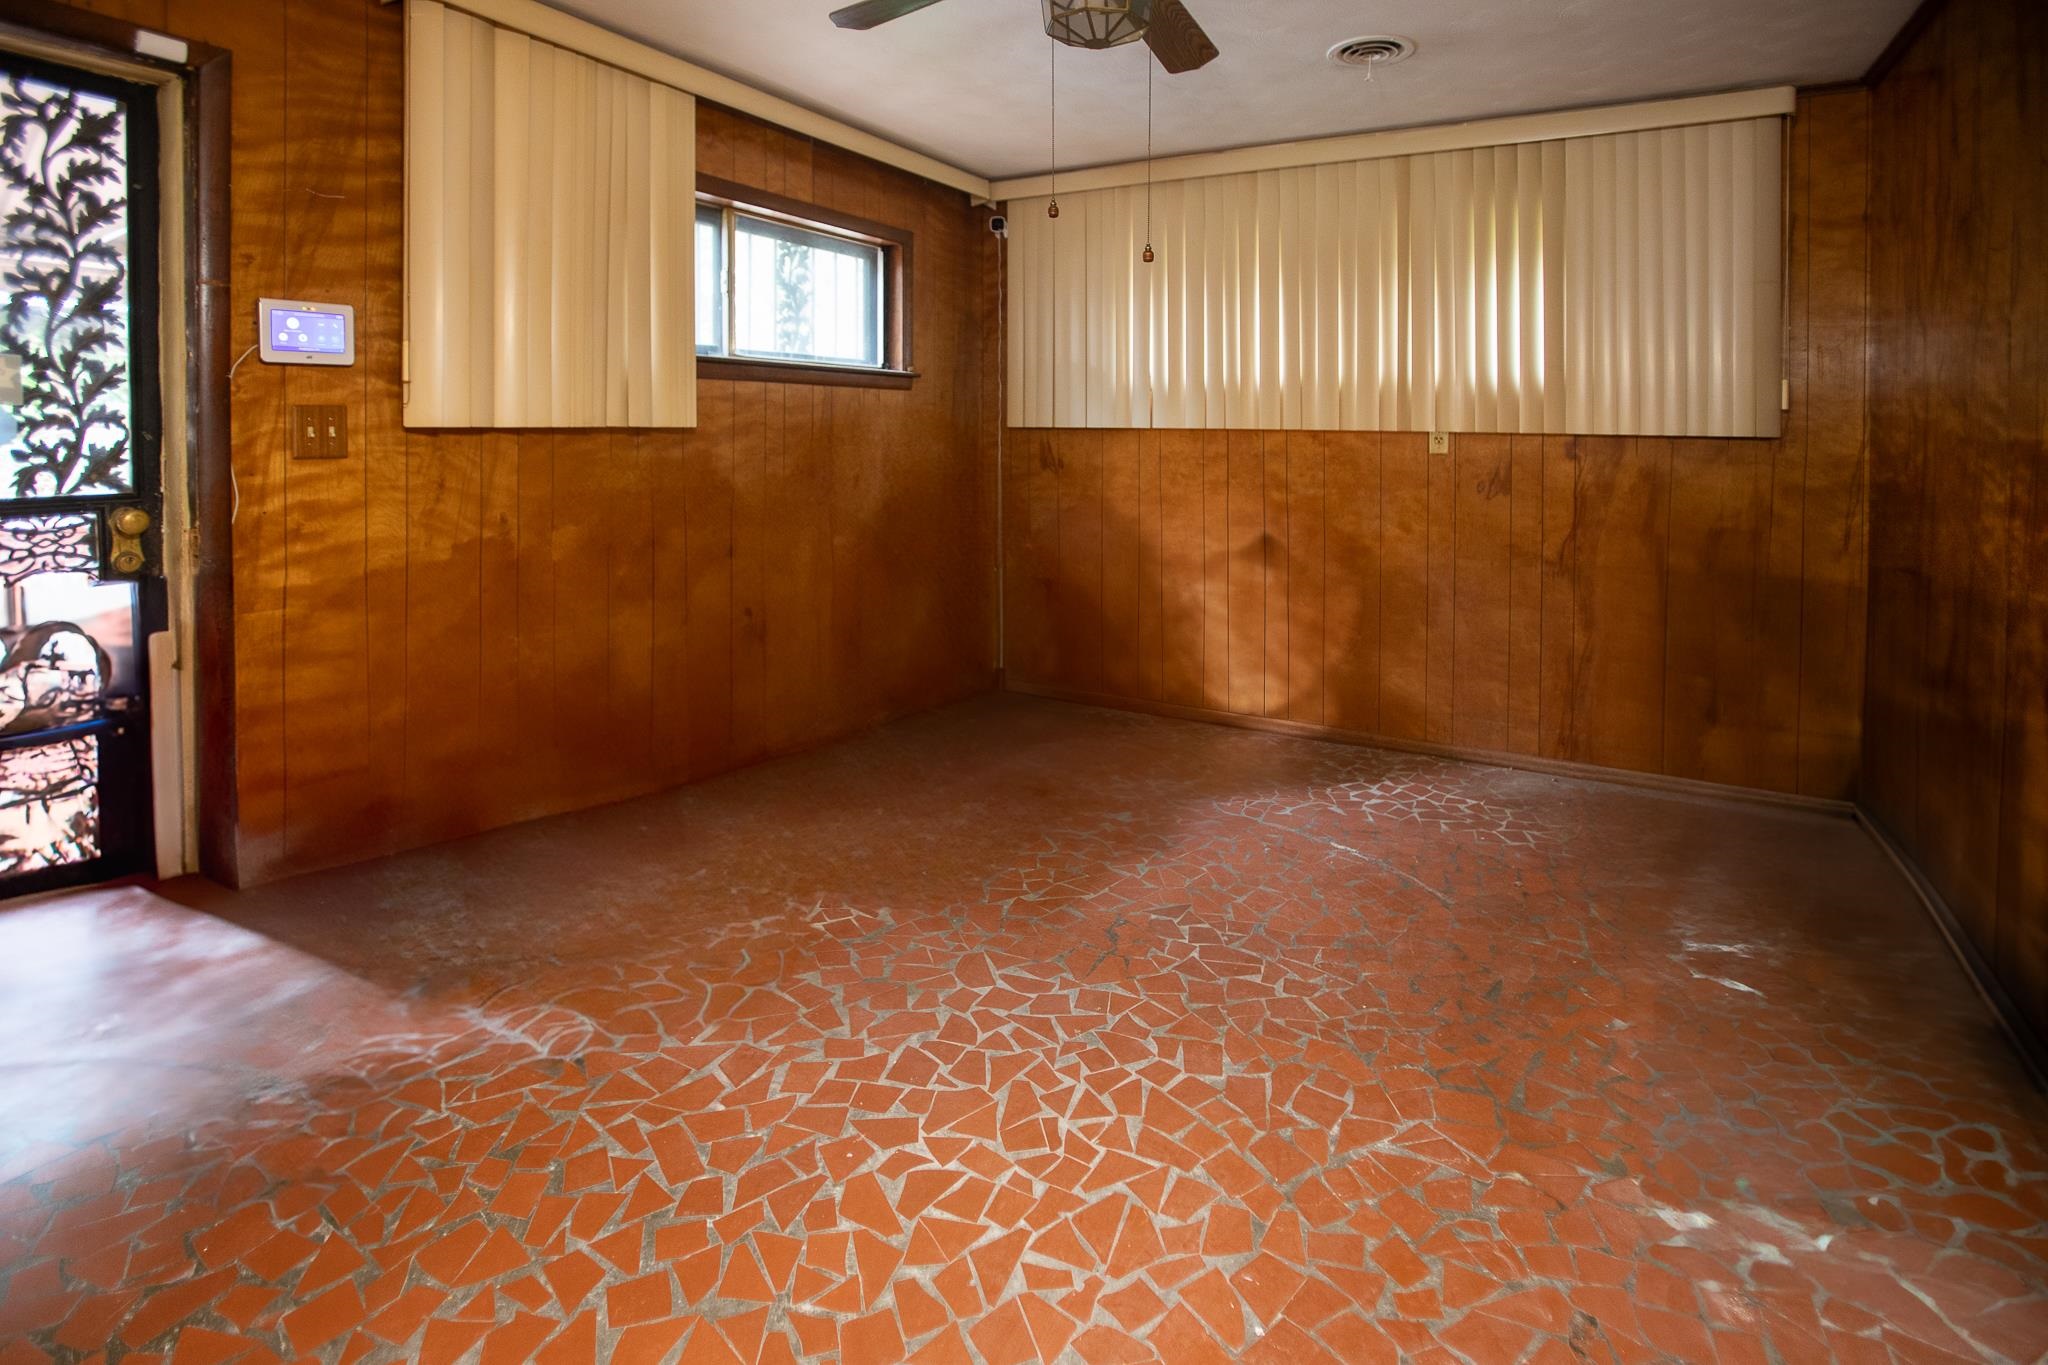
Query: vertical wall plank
x=1557, y=722
x=499, y=736
x=444, y=619
x=535, y=622
x=1781, y=583
x=1351, y=580
x=1120, y=512
x=1835, y=557
x=1716, y=657
x=1404, y=584
x=749, y=588
x=1441, y=586
x=1903, y=117
x=2020, y=953
x=579, y=546
x=1080, y=618
x=1184, y=612
x=796, y=170
x=718, y=135
x=850, y=450
x=1274, y=544
x=1035, y=583
x=380, y=434
x=867, y=661
x=708, y=530
x=1305, y=551
x=812, y=466
x=1525, y=595
x=1969, y=481
x=1481, y=512
x=1622, y=522
x=785, y=616
x=326, y=638
x=1216, y=576
x=669, y=673
x=2020, y=950
x=750, y=158
x=1246, y=537
x=629, y=615
x=1151, y=594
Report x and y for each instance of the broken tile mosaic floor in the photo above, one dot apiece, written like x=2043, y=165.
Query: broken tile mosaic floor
x=1023, y=1032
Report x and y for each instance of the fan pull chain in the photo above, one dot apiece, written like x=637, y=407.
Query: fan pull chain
x=1148, y=160
x=1052, y=210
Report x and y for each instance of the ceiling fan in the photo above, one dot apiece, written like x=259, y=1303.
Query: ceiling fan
x=1165, y=25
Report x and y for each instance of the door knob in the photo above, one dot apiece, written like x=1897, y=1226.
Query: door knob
x=125, y=554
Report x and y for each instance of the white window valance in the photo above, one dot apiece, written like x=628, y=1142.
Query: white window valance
x=1627, y=283
x=550, y=210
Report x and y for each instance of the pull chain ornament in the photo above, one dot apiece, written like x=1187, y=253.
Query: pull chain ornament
x=1148, y=257
x=1052, y=209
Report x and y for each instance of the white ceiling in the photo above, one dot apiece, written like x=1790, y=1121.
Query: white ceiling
x=967, y=81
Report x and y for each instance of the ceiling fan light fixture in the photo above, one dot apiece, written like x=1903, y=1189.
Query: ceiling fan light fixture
x=1097, y=23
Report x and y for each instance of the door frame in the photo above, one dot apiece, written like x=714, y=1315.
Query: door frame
x=192, y=721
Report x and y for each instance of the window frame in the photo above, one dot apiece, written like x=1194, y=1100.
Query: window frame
x=896, y=246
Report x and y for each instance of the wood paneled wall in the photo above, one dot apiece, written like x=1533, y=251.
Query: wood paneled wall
x=1955, y=752
x=452, y=630
x=1685, y=607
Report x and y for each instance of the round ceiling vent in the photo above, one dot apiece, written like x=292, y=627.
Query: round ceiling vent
x=1374, y=50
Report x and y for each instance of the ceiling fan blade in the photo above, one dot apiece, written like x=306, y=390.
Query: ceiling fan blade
x=1176, y=39
x=869, y=13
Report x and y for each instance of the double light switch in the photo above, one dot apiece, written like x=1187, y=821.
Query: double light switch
x=319, y=431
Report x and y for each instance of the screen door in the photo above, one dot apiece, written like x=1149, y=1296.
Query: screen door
x=81, y=588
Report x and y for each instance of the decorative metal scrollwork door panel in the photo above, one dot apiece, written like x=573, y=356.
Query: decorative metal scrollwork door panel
x=79, y=481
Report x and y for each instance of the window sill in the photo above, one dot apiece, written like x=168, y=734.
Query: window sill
x=750, y=370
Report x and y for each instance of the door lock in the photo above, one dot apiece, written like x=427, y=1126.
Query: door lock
x=128, y=525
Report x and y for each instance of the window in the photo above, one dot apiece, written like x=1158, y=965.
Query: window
x=790, y=286
x=710, y=269
x=787, y=292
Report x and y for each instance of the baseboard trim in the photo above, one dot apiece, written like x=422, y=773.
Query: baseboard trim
x=2031, y=1047
x=1587, y=772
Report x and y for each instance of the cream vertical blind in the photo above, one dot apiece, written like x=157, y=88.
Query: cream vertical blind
x=1673, y=281
x=550, y=234
x=1618, y=283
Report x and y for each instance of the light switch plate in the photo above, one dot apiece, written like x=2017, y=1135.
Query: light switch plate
x=334, y=431
x=319, y=431
x=306, y=431
x=1439, y=443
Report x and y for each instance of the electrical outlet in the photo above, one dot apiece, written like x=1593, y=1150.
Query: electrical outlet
x=1439, y=443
